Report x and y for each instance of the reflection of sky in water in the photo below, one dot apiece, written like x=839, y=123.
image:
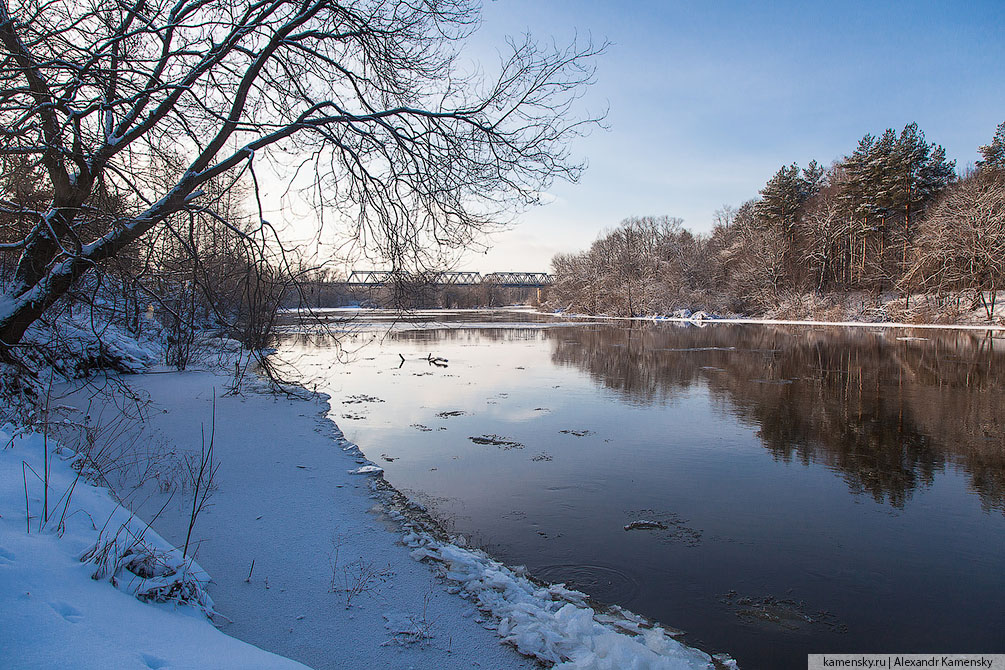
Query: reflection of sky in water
x=817, y=475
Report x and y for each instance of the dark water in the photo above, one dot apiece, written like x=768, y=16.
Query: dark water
x=820, y=489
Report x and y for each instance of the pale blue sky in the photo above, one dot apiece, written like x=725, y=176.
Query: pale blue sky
x=708, y=99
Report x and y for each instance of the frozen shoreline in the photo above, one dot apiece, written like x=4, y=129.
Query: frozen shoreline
x=708, y=320
x=336, y=585
x=331, y=587
x=697, y=318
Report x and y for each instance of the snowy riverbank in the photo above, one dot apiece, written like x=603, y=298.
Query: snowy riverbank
x=333, y=585
x=704, y=318
x=60, y=611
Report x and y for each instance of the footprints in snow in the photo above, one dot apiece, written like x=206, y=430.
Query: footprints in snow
x=153, y=662
x=73, y=615
x=67, y=611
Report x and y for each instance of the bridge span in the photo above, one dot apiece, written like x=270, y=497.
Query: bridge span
x=502, y=279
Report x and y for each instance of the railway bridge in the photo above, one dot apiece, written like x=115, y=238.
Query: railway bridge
x=501, y=279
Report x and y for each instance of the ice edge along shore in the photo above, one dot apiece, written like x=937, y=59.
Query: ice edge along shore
x=549, y=623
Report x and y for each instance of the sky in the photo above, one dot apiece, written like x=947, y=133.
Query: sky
x=706, y=100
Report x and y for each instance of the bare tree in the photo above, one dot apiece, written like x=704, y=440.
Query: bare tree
x=724, y=216
x=758, y=261
x=647, y=265
x=370, y=95
x=824, y=231
x=961, y=243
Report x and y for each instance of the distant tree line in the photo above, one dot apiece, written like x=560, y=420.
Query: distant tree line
x=410, y=294
x=889, y=220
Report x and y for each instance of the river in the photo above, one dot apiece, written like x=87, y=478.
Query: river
x=810, y=489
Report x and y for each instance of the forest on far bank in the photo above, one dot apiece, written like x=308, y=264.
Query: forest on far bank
x=892, y=225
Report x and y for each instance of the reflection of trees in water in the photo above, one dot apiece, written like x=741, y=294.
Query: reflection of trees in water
x=468, y=335
x=886, y=413
x=360, y=334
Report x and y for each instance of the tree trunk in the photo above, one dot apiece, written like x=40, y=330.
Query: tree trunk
x=31, y=304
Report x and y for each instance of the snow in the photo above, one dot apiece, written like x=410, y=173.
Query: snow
x=367, y=470
x=328, y=574
x=701, y=318
x=77, y=334
x=79, y=342
x=553, y=623
x=313, y=556
x=61, y=612
x=336, y=585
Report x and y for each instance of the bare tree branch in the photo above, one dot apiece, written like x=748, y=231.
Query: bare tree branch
x=406, y=149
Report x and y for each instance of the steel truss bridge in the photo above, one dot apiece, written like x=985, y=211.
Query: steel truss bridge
x=502, y=279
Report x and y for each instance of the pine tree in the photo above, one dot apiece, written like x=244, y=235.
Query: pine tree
x=853, y=168
x=860, y=195
x=922, y=172
x=889, y=180
x=781, y=199
x=813, y=179
x=882, y=185
x=994, y=153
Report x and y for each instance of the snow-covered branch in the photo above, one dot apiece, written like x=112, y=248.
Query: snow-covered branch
x=132, y=108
